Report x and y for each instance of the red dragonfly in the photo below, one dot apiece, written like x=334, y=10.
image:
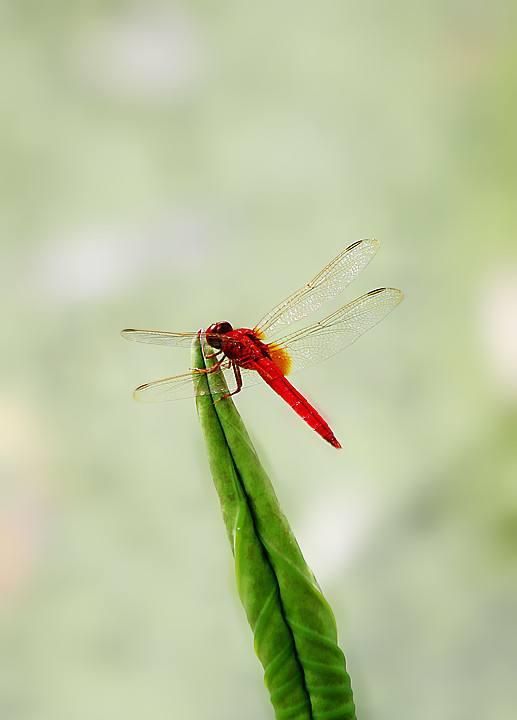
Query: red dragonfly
x=266, y=352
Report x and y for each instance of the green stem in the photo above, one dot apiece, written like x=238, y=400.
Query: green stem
x=293, y=625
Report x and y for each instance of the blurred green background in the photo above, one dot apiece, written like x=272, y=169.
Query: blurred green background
x=168, y=165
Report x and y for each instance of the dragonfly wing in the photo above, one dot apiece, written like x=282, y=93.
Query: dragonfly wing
x=187, y=385
x=331, y=335
x=178, y=387
x=159, y=337
x=328, y=283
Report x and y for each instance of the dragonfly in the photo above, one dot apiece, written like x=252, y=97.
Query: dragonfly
x=269, y=351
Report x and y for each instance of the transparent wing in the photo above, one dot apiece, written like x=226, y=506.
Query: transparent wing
x=328, y=283
x=331, y=335
x=159, y=337
x=185, y=386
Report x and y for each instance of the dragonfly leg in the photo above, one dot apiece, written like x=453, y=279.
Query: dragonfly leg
x=206, y=371
x=238, y=379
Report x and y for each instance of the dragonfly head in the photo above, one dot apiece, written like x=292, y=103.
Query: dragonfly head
x=215, y=331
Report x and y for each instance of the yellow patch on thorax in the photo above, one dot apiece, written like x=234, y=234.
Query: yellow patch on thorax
x=281, y=359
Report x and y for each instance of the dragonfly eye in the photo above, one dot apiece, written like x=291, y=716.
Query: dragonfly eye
x=214, y=332
x=221, y=328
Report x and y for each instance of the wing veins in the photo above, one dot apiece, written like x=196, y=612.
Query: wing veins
x=159, y=337
x=330, y=281
x=340, y=329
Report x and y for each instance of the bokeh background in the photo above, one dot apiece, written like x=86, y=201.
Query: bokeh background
x=168, y=165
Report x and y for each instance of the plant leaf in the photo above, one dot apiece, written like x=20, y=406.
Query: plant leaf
x=293, y=625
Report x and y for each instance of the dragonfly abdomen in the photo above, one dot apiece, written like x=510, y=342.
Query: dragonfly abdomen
x=302, y=407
